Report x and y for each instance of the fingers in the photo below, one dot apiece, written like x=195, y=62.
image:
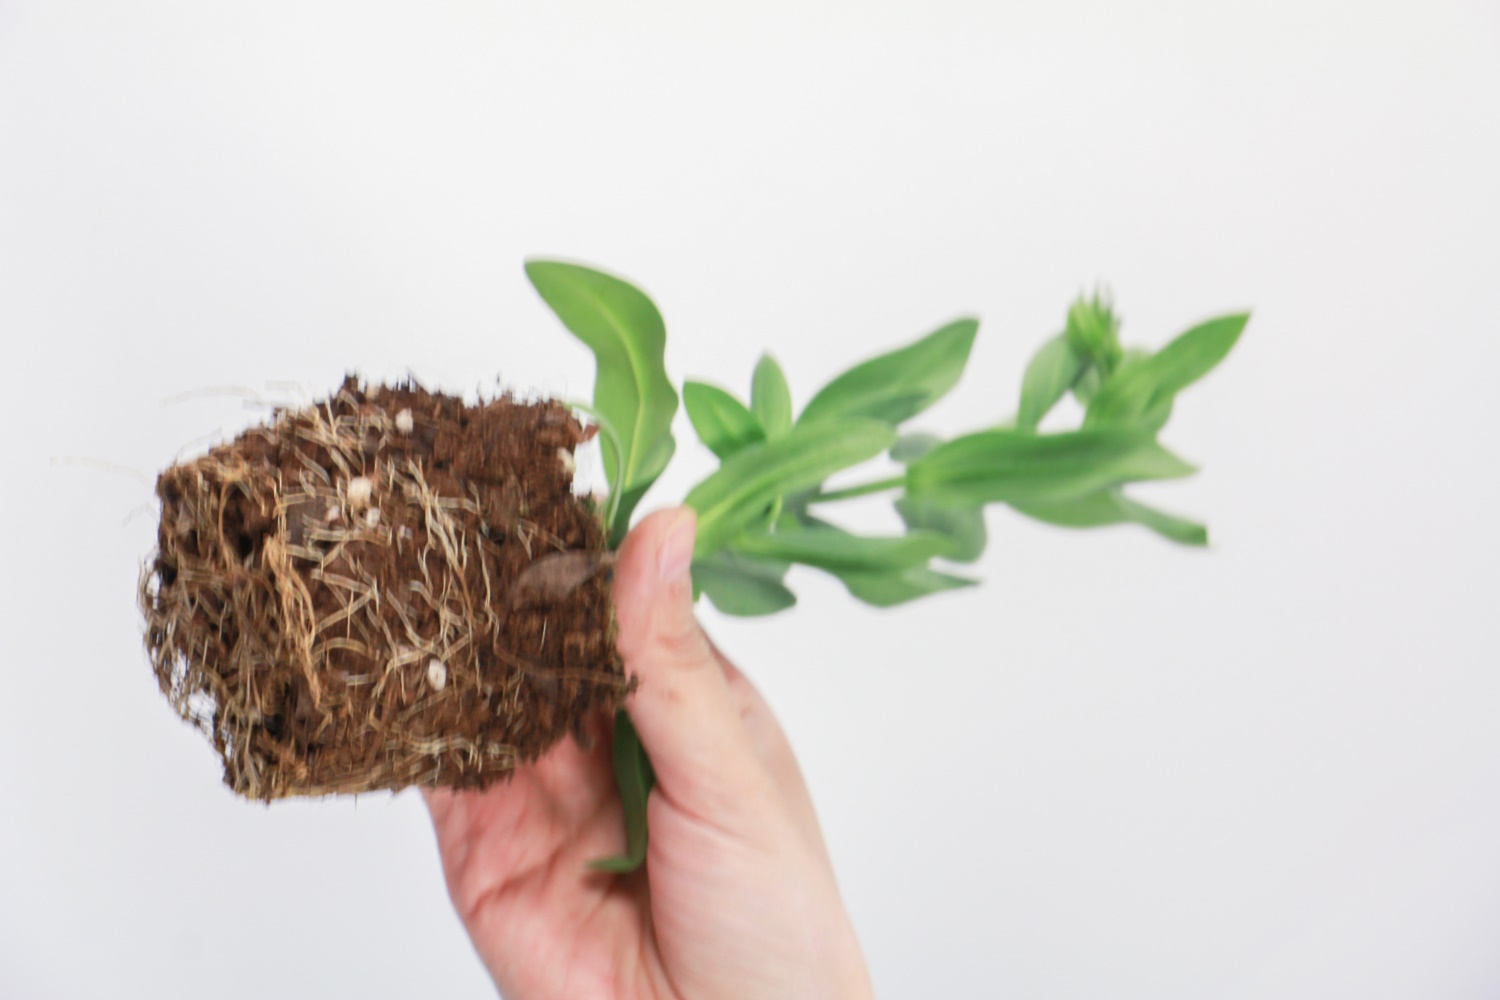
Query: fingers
x=687, y=717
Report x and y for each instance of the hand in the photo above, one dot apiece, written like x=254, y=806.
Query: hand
x=737, y=897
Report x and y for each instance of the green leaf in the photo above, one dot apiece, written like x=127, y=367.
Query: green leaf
x=963, y=527
x=771, y=398
x=748, y=483
x=884, y=590
x=1196, y=352
x=635, y=778
x=910, y=447
x=1054, y=369
x=744, y=585
x=835, y=549
x=879, y=587
x=1018, y=467
x=1141, y=393
x=1109, y=507
x=1169, y=526
x=1124, y=401
x=1093, y=331
x=723, y=423
x=1088, y=383
x=896, y=386
x=631, y=389
x=1093, y=510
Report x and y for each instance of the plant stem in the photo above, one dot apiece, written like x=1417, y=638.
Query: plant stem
x=879, y=486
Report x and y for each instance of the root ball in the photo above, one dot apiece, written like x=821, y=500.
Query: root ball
x=388, y=588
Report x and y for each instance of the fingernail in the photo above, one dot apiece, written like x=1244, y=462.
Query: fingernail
x=676, y=553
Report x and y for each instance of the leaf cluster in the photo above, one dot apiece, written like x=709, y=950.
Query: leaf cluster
x=763, y=509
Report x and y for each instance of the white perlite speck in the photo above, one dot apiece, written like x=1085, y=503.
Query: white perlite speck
x=360, y=489
x=437, y=674
x=566, y=458
x=372, y=517
x=404, y=423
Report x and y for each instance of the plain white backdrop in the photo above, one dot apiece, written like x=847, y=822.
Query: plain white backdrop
x=1119, y=769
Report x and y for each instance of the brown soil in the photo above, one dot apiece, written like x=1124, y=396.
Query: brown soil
x=388, y=588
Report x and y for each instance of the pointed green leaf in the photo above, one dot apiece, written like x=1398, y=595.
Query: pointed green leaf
x=634, y=777
x=1169, y=526
x=884, y=590
x=748, y=483
x=1093, y=331
x=723, y=423
x=1141, y=393
x=1093, y=510
x=631, y=389
x=836, y=549
x=1197, y=352
x=879, y=587
x=1109, y=507
x=1018, y=467
x=1054, y=369
x=896, y=386
x=744, y=585
x=963, y=527
x=771, y=398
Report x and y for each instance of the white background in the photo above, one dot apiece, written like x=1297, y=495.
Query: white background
x=1119, y=769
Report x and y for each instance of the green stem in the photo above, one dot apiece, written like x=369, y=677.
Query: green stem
x=879, y=486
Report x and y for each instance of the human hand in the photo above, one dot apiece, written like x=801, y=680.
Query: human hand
x=737, y=897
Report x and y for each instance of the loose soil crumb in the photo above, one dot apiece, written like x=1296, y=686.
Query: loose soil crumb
x=388, y=588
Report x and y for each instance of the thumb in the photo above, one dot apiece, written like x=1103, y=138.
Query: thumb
x=683, y=710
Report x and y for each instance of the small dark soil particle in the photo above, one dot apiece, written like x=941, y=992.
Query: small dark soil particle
x=388, y=588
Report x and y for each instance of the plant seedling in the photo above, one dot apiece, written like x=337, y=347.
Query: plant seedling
x=394, y=587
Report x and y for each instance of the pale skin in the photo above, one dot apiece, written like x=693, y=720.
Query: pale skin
x=737, y=898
